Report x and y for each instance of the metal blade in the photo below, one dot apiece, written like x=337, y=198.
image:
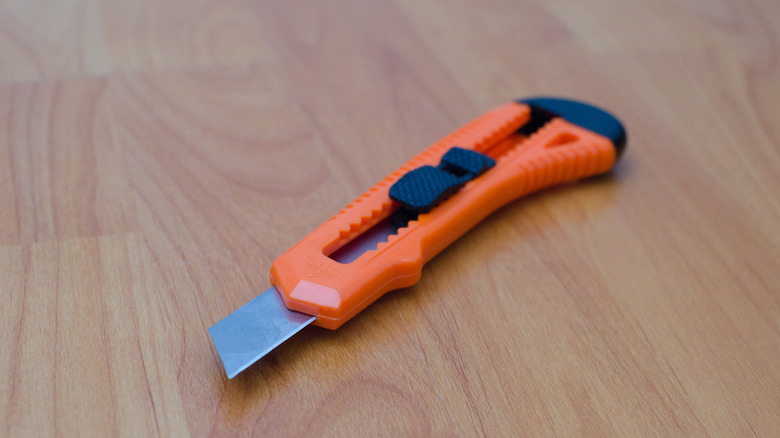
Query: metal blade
x=365, y=241
x=256, y=328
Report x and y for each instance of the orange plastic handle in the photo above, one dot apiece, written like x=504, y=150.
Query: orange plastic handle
x=311, y=282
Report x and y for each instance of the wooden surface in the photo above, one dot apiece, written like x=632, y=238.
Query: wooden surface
x=156, y=156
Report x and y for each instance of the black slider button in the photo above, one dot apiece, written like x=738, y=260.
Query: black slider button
x=422, y=189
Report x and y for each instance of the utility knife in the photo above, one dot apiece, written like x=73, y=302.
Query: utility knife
x=381, y=241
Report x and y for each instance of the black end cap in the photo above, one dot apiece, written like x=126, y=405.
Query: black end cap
x=579, y=113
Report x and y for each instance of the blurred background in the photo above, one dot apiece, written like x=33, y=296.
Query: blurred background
x=155, y=157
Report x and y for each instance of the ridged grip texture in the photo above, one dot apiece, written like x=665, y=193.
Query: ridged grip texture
x=313, y=283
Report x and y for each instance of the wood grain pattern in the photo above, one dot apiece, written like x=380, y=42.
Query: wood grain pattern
x=156, y=157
